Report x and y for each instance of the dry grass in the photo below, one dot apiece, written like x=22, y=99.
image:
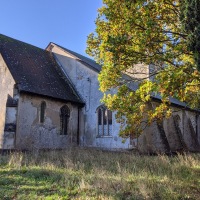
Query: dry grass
x=91, y=174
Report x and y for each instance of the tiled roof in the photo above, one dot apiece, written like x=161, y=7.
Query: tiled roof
x=134, y=86
x=84, y=60
x=35, y=70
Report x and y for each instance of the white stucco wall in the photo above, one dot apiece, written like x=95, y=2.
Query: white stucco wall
x=86, y=83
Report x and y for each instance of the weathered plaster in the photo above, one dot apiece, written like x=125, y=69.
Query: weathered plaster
x=35, y=135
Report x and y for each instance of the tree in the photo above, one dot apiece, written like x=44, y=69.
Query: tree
x=132, y=35
x=190, y=19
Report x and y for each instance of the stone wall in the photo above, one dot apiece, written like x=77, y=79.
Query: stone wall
x=31, y=134
x=6, y=90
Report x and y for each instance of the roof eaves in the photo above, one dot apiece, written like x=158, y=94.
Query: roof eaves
x=63, y=49
x=89, y=66
x=66, y=78
x=25, y=86
x=22, y=91
x=176, y=105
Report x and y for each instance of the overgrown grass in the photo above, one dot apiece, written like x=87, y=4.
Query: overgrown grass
x=91, y=174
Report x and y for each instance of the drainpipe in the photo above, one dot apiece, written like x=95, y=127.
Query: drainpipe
x=16, y=97
x=78, y=127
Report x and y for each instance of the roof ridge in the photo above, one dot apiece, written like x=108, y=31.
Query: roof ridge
x=73, y=52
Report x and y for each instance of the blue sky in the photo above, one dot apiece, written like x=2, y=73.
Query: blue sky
x=38, y=22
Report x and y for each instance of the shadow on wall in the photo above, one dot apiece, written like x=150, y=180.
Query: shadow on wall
x=10, y=123
x=175, y=134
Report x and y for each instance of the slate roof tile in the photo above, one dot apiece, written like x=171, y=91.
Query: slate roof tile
x=35, y=70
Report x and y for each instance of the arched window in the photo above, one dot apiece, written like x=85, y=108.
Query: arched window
x=42, y=111
x=104, y=121
x=64, y=120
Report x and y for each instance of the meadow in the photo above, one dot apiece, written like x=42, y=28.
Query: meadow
x=78, y=173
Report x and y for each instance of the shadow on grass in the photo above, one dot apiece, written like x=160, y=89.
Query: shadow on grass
x=44, y=184
x=47, y=184
x=98, y=175
x=31, y=182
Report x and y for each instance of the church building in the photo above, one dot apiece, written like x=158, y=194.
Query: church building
x=50, y=99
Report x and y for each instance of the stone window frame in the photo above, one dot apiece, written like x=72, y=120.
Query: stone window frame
x=42, y=111
x=64, y=120
x=107, y=126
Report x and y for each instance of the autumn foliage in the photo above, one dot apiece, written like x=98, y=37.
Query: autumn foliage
x=143, y=48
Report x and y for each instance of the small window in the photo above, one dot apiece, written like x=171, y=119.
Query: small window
x=64, y=120
x=104, y=121
x=42, y=111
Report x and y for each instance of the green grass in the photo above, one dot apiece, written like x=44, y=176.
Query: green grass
x=91, y=174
